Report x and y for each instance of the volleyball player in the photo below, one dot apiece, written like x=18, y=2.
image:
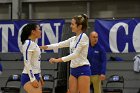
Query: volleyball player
x=79, y=80
x=31, y=76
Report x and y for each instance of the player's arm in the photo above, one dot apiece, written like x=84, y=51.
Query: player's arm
x=83, y=42
x=28, y=52
x=61, y=44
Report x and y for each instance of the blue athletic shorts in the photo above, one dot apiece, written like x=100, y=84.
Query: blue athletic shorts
x=25, y=78
x=80, y=71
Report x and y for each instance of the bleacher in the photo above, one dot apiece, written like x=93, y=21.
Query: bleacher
x=123, y=68
x=13, y=64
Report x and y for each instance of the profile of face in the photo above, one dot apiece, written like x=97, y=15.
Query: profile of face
x=93, y=37
x=74, y=26
x=37, y=32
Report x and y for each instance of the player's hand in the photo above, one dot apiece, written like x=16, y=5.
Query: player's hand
x=35, y=84
x=102, y=77
x=55, y=60
x=52, y=60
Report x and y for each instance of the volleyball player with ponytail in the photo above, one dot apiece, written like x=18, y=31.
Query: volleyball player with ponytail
x=31, y=79
x=79, y=80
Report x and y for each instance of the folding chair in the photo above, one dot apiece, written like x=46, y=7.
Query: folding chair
x=48, y=78
x=12, y=89
x=114, y=79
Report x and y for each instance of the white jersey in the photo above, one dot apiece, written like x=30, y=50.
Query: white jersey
x=78, y=50
x=31, y=54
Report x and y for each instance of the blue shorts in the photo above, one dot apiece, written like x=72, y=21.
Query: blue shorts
x=80, y=71
x=25, y=78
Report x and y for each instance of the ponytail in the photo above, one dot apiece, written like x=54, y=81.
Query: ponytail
x=26, y=31
x=82, y=20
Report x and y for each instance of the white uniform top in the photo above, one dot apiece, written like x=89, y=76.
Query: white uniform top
x=31, y=54
x=78, y=50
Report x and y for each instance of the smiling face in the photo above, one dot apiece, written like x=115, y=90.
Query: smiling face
x=74, y=26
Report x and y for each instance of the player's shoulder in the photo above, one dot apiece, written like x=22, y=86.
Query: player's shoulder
x=29, y=42
x=71, y=38
x=85, y=37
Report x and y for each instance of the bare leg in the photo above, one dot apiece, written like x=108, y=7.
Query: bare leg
x=30, y=89
x=73, y=87
x=84, y=84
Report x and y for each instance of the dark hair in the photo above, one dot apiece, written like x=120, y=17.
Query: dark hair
x=82, y=20
x=26, y=31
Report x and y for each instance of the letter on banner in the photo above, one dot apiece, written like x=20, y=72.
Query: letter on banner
x=113, y=37
x=5, y=28
x=136, y=38
x=46, y=28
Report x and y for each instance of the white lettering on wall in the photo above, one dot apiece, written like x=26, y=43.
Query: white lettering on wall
x=136, y=38
x=113, y=37
x=5, y=30
x=52, y=37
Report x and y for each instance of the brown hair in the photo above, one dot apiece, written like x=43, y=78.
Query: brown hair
x=82, y=20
